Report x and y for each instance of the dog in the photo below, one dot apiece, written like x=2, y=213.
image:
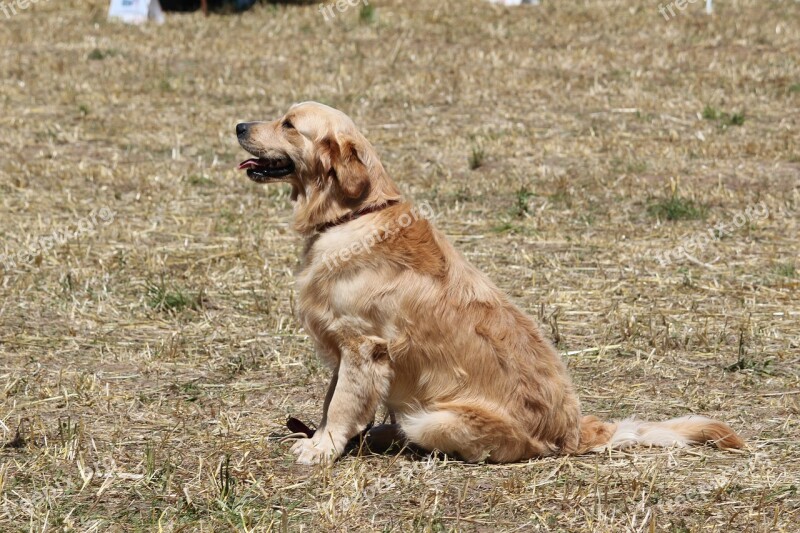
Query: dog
x=403, y=320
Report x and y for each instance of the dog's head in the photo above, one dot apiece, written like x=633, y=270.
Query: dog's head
x=333, y=169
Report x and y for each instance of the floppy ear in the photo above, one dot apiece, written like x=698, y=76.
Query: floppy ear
x=341, y=161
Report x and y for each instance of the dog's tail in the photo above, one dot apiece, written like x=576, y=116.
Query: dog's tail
x=597, y=435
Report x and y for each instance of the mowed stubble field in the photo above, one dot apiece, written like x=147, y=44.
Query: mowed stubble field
x=147, y=364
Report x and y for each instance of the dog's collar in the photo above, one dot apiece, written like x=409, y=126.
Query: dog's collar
x=322, y=228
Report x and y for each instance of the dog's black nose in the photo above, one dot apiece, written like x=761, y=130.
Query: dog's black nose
x=241, y=129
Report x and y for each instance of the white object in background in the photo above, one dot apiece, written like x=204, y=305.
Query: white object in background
x=136, y=11
x=709, y=6
x=156, y=14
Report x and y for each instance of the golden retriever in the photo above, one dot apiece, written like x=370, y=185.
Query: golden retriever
x=403, y=320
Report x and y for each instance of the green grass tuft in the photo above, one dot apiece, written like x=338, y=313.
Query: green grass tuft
x=476, y=158
x=722, y=118
x=735, y=119
x=523, y=205
x=367, y=15
x=710, y=113
x=199, y=180
x=748, y=363
x=787, y=270
x=161, y=298
x=677, y=208
x=99, y=55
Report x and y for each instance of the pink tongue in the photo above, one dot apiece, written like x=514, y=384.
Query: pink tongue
x=250, y=163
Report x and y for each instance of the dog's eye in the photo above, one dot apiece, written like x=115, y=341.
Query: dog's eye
x=288, y=125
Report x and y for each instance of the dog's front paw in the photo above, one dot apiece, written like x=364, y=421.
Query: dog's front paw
x=310, y=453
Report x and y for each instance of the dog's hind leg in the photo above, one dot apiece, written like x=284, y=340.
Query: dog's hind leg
x=473, y=433
x=384, y=438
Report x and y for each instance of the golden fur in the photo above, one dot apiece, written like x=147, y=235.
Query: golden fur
x=403, y=320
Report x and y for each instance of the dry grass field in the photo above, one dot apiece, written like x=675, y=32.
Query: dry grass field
x=149, y=351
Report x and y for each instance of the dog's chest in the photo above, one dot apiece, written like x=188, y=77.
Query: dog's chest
x=325, y=307
x=336, y=297
x=330, y=305
x=314, y=309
